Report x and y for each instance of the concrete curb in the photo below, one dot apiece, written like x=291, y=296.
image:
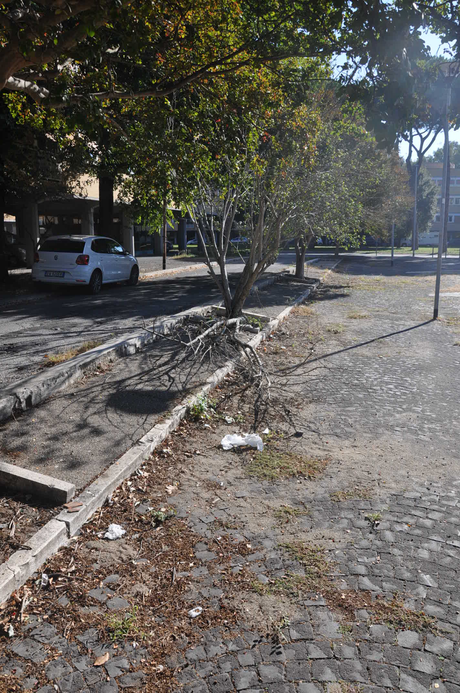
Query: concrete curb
x=26, y=481
x=58, y=531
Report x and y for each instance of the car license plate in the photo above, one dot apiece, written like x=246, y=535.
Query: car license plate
x=54, y=274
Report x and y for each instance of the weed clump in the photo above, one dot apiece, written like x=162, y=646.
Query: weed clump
x=270, y=465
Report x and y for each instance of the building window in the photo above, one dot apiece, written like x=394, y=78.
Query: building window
x=437, y=217
x=450, y=218
x=77, y=221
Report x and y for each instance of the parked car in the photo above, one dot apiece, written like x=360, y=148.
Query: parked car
x=240, y=240
x=83, y=260
x=15, y=252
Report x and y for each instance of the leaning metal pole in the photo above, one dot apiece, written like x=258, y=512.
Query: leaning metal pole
x=444, y=202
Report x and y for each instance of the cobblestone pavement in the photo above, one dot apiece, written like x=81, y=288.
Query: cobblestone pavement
x=391, y=422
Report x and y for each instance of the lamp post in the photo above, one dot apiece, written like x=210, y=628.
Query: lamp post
x=415, y=229
x=449, y=71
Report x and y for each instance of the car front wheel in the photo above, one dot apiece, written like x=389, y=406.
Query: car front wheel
x=134, y=276
x=95, y=283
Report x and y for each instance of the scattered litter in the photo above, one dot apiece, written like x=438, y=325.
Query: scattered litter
x=229, y=419
x=114, y=532
x=193, y=613
x=45, y=580
x=10, y=631
x=73, y=506
x=266, y=432
x=158, y=669
x=170, y=489
x=101, y=660
x=233, y=441
x=207, y=426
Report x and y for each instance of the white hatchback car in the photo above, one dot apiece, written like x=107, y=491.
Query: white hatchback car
x=90, y=260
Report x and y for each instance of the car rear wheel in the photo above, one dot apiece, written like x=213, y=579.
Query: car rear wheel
x=134, y=276
x=95, y=283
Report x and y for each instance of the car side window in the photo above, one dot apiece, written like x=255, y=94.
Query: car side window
x=118, y=249
x=100, y=245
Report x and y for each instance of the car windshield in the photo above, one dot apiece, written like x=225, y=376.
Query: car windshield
x=62, y=245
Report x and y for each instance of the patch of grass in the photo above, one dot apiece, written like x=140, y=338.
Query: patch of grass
x=54, y=359
x=336, y=328
x=451, y=321
x=345, y=628
x=158, y=517
x=304, y=310
x=351, y=494
x=271, y=465
x=122, y=626
x=373, y=517
x=204, y=408
x=355, y=315
x=318, y=579
x=286, y=513
x=255, y=322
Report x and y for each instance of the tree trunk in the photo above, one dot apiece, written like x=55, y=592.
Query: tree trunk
x=300, y=251
x=105, y=206
x=337, y=248
x=4, y=276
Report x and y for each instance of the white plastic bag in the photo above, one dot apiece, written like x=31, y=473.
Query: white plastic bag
x=114, y=532
x=233, y=440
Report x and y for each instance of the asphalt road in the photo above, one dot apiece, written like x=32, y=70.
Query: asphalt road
x=33, y=326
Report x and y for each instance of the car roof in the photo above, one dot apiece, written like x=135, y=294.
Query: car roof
x=77, y=237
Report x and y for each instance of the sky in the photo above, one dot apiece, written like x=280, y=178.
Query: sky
x=436, y=49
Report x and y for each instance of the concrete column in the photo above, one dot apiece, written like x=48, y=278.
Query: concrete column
x=127, y=232
x=27, y=220
x=87, y=220
x=158, y=243
x=182, y=234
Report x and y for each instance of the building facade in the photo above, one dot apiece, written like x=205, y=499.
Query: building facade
x=453, y=224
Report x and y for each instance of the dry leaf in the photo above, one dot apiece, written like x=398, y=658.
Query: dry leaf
x=170, y=489
x=101, y=660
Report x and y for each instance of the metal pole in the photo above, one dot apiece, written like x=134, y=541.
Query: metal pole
x=444, y=202
x=164, y=232
x=392, y=243
x=414, y=228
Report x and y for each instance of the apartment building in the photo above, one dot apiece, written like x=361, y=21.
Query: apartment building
x=453, y=224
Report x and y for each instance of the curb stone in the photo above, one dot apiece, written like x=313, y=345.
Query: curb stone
x=58, y=531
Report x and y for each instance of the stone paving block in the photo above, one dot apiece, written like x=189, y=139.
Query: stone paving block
x=72, y=683
x=410, y=639
x=399, y=656
x=221, y=683
x=245, y=678
x=439, y=646
x=426, y=663
x=196, y=653
x=134, y=680
x=408, y=682
x=325, y=670
x=384, y=675
x=278, y=688
x=451, y=672
x=93, y=675
x=342, y=651
x=301, y=631
x=57, y=668
x=30, y=649
x=353, y=670
x=117, y=666
x=371, y=652
x=249, y=658
x=319, y=651
x=298, y=671
x=271, y=673
x=308, y=688
x=105, y=687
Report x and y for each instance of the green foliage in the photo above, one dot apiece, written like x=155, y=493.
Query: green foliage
x=204, y=408
x=123, y=626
